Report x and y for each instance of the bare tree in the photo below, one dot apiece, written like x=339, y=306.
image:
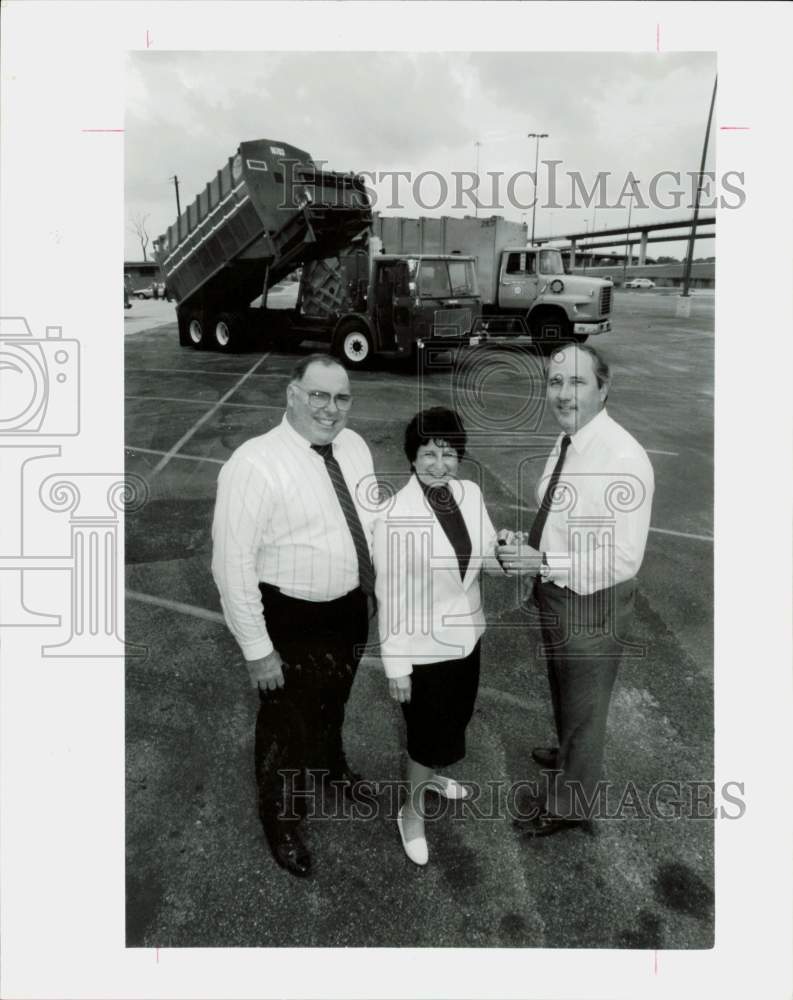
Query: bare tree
x=138, y=226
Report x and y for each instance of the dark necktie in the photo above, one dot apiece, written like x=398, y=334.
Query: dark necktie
x=535, y=535
x=451, y=520
x=365, y=568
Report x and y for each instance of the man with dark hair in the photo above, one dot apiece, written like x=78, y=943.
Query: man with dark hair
x=292, y=538
x=584, y=550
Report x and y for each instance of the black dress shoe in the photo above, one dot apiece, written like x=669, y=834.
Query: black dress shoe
x=290, y=852
x=546, y=757
x=545, y=825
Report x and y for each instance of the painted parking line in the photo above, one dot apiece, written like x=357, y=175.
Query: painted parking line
x=189, y=458
x=184, y=609
x=208, y=371
x=654, y=531
x=270, y=406
x=682, y=534
x=427, y=386
x=239, y=406
x=203, y=419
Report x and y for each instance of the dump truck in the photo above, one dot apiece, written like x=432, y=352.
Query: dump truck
x=524, y=288
x=270, y=212
x=267, y=211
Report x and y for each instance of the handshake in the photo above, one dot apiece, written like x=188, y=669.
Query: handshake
x=515, y=556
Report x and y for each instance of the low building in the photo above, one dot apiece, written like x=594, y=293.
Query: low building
x=140, y=274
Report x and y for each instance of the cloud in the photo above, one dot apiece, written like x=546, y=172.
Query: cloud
x=365, y=111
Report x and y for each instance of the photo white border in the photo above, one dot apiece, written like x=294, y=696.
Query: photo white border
x=62, y=864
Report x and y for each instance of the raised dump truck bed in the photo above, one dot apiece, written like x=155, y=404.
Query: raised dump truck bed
x=267, y=211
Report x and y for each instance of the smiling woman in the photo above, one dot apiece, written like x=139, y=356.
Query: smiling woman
x=429, y=550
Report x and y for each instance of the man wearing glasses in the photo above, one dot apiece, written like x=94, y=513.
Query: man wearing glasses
x=291, y=539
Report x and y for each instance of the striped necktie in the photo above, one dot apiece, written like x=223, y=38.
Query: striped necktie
x=535, y=535
x=365, y=568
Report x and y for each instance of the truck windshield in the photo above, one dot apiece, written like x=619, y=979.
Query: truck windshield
x=463, y=279
x=439, y=278
x=551, y=262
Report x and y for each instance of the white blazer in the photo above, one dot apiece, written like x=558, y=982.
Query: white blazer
x=426, y=612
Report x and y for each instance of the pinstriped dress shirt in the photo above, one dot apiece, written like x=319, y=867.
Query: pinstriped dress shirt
x=278, y=520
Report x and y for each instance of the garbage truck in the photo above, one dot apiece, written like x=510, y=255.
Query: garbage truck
x=271, y=211
x=524, y=288
x=268, y=210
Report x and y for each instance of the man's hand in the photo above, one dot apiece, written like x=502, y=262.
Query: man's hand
x=519, y=560
x=266, y=673
x=399, y=688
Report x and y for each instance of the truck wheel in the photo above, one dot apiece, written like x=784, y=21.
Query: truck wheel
x=228, y=332
x=196, y=330
x=353, y=345
x=549, y=329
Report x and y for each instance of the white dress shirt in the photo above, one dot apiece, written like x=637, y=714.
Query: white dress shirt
x=278, y=521
x=596, y=531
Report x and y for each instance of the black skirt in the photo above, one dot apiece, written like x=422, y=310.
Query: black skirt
x=441, y=705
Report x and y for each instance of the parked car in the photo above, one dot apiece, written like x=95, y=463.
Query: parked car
x=639, y=283
x=144, y=293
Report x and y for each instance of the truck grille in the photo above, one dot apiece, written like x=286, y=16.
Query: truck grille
x=605, y=300
x=451, y=322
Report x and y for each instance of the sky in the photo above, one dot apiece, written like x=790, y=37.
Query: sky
x=378, y=112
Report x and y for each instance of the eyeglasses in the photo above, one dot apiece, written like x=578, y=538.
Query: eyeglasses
x=318, y=400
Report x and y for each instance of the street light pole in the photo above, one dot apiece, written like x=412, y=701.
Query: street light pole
x=693, y=236
x=537, y=136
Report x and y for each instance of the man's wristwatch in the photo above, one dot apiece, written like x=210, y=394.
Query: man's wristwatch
x=545, y=569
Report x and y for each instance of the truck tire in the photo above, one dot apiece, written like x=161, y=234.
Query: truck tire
x=192, y=330
x=353, y=344
x=228, y=332
x=550, y=328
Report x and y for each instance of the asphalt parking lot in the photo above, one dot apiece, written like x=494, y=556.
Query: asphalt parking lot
x=198, y=870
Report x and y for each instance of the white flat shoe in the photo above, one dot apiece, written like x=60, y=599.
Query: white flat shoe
x=447, y=787
x=416, y=849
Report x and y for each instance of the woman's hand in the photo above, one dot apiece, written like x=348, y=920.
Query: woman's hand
x=399, y=688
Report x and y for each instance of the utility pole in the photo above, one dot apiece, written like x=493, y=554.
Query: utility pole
x=628, y=236
x=175, y=180
x=690, y=256
x=476, y=196
x=537, y=136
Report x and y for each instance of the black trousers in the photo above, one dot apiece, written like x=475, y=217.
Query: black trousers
x=584, y=638
x=299, y=726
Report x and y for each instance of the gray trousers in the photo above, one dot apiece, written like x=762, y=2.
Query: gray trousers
x=584, y=638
